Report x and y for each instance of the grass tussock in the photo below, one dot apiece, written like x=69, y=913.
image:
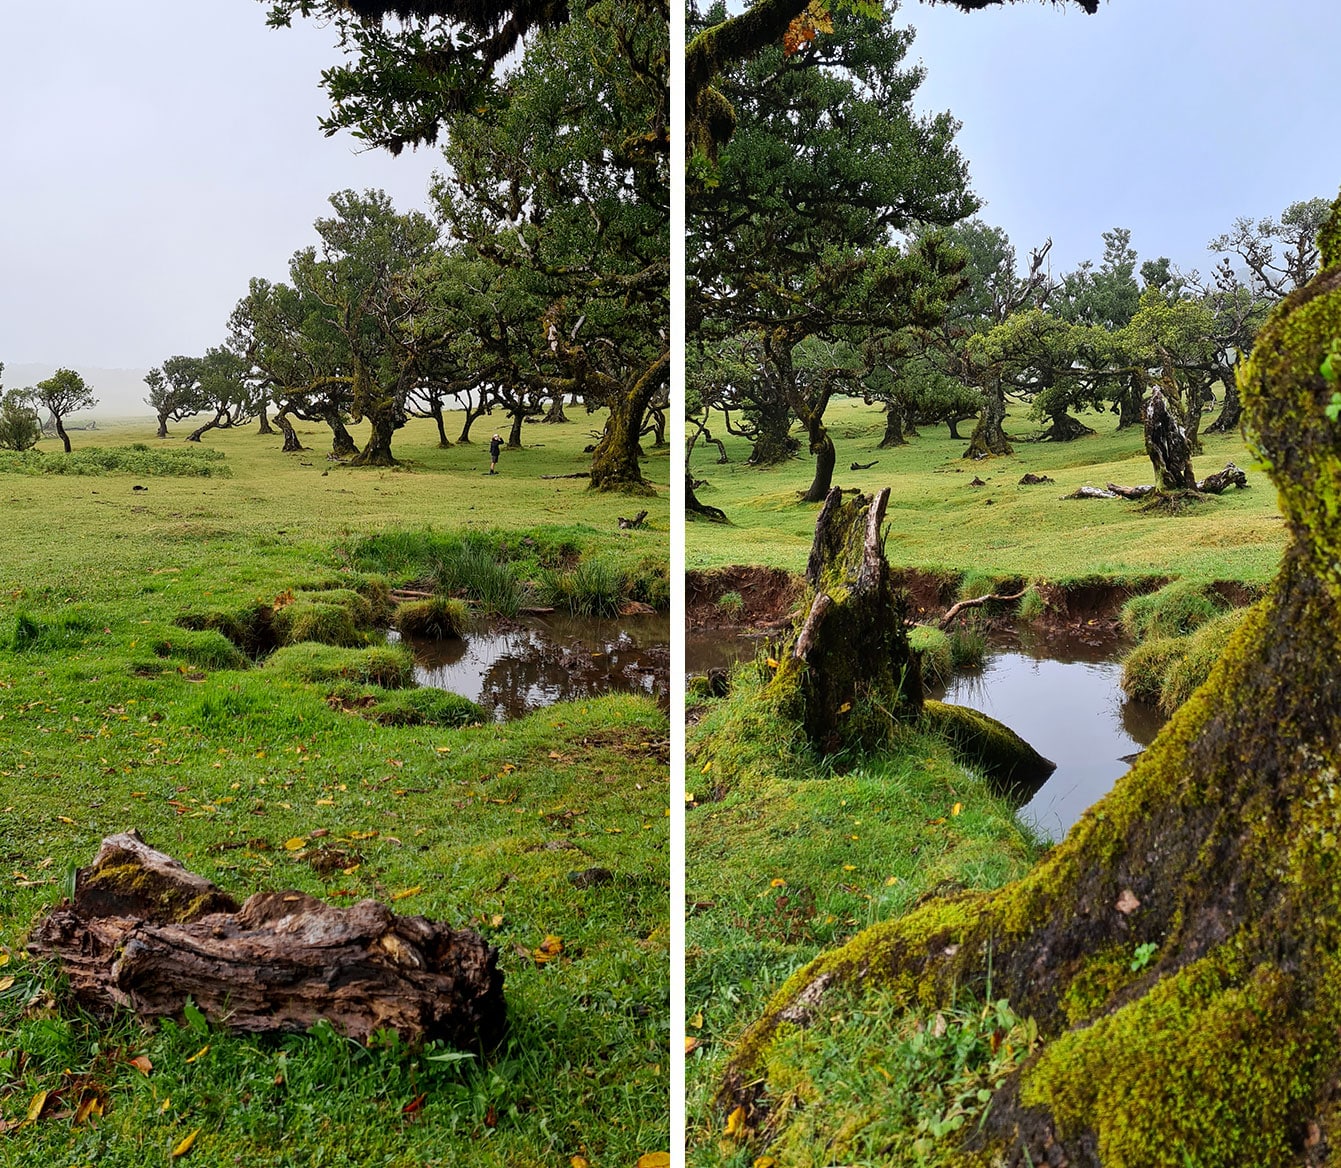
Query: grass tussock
x=937, y=654
x=596, y=587
x=206, y=649
x=1166, y=671
x=139, y=459
x=1174, y=611
x=388, y=666
x=438, y=618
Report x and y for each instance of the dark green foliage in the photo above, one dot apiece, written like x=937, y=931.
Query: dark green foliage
x=968, y=645
x=650, y=583
x=136, y=460
x=20, y=427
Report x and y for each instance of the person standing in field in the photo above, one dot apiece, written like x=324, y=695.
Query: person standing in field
x=495, y=445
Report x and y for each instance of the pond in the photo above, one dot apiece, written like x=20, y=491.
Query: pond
x=1061, y=694
x=518, y=666
x=1059, y=691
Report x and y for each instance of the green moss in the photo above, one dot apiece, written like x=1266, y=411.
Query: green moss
x=983, y=743
x=935, y=657
x=1199, y=1070
x=1193, y=666
x=1100, y=977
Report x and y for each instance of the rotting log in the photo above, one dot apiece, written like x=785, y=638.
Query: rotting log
x=1139, y=492
x=1222, y=480
x=639, y=520
x=145, y=934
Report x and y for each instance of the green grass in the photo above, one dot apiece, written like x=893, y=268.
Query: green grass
x=789, y=856
x=938, y=522
x=112, y=715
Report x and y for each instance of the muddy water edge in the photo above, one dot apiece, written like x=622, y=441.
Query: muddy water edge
x=1055, y=683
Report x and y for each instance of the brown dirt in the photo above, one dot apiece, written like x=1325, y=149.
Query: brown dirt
x=769, y=594
x=1090, y=605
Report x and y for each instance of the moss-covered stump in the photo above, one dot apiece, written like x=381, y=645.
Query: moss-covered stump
x=1013, y=768
x=848, y=671
x=1180, y=952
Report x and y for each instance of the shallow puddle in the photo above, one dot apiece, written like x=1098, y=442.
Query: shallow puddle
x=1060, y=692
x=1062, y=696
x=533, y=662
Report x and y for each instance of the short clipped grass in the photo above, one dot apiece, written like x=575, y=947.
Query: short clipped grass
x=937, y=521
x=112, y=716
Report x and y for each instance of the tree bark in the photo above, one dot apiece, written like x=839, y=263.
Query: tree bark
x=515, y=432
x=849, y=664
x=265, y=427
x=1230, y=412
x=435, y=409
x=893, y=427
x=162, y=426
x=291, y=442
x=213, y=424
x=826, y=457
x=692, y=504
x=1167, y=445
x=144, y=933
x=614, y=462
x=1131, y=405
x=989, y=435
x=60, y=431
x=377, y=452
x=1065, y=428
x=773, y=441
x=555, y=415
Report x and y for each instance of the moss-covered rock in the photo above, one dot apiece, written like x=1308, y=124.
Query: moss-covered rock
x=1012, y=767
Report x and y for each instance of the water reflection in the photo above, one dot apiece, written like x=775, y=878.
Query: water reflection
x=533, y=662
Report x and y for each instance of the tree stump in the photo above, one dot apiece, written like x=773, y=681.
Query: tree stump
x=849, y=664
x=144, y=933
x=1167, y=444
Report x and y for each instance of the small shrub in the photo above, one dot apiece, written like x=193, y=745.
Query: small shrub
x=20, y=427
x=438, y=617
x=594, y=588
x=935, y=653
x=731, y=605
x=1174, y=611
x=468, y=569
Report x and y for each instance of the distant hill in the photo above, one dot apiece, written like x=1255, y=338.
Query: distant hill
x=120, y=392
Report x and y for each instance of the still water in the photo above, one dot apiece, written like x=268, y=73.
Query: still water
x=524, y=665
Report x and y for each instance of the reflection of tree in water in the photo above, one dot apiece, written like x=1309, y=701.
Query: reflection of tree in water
x=514, y=671
x=535, y=673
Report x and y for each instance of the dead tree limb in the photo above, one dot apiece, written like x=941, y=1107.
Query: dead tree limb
x=977, y=602
x=144, y=933
x=1222, y=480
x=638, y=520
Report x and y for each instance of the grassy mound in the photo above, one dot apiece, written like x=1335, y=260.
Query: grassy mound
x=1174, y=611
x=1167, y=670
x=937, y=657
x=388, y=666
x=437, y=617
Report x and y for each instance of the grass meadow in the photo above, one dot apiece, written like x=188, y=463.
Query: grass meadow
x=938, y=521
x=114, y=716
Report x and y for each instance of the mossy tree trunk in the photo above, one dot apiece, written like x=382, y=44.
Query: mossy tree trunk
x=1131, y=403
x=893, y=427
x=614, y=462
x=1219, y=854
x=554, y=415
x=1167, y=445
x=848, y=671
x=826, y=456
x=989, y=435
x=1230, y=411
x=1064, y=428
x=291, y=442
x=773, y=441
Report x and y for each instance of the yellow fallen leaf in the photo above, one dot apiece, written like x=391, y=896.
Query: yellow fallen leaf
x=690, y=1044
x=186, y=1145
x=164, y=1105
x=296, y=843
x=88, y=1106
x=404, y=892
x=325, y=803
x=735, y=1124
x=772, y=663
x=849, y=867
x=4, y=958
x=496, y=921
x=5, y=983
x=890, y=881
x=956, y=809
x=707, y=766
x=777, y=882
x=765, y=1162
x=843, y=709
x=579, y=1162
x=653, y=1160
x=39, y=1101
x=65, y=819
x=696, y=1021
x=549, y=949
x=204, y=1050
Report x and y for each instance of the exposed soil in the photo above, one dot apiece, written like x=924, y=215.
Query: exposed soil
x=767, y=597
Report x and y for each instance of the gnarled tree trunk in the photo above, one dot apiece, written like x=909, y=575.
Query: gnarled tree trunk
x=822, y=447
x=989, y=435
x=1167, y=445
